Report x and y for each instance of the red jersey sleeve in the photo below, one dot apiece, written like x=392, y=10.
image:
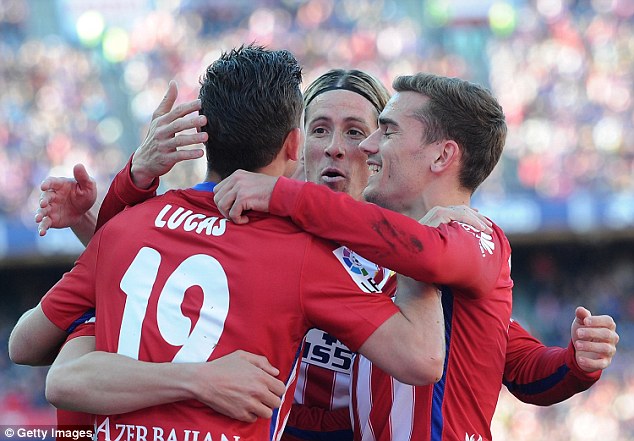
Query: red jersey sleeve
x=122, y=193
x=318, y=424
x=542, y=375
x=71, y=300
x=338, y=302
x=453, y=254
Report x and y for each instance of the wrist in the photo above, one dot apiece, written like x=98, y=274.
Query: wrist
x=188, y=376
x=140, y=177
x=183, y=378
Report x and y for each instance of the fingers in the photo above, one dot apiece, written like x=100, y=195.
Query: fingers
x=599, y=321
x=178, y=120
x=168, y=100
x=44, y=225
x=186, y=155
x=172, y=123
x=236, y=216
x=599, y=348
x=261, y=411
x=581, y=314
x=275, y=386
x=597, y=334
x=183, y=140
x=591, y=364
x=229, y=206
x=262, y=362
x=41, y=214
x=53, y=183
x=268, y=398
x=81, y=175
x=224, y=197
x=271, y=400
x=474, y=218
x=460, y=213
x=247, y=417
x=595, y=340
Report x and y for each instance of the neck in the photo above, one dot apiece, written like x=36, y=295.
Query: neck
x=212, y=176
x=434, y=196
x=275, y=168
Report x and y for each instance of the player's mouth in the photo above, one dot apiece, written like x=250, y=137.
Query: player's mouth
x=331, y=174
x=374, y=168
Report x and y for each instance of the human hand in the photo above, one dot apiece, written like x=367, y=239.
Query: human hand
x=594, y=339
x=243, y=191
x=461, y=213
x=239, y=385
x=160, y=151
x=64, y=201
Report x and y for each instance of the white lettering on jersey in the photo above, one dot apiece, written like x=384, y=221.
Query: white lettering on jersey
x=472, y=437
x=368, y=276
x=190, y=221
x=131, y=432
x=197, y=342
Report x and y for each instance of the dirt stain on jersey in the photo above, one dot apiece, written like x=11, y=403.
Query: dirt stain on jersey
x=395, y=237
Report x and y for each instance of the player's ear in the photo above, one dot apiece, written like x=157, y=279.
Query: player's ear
x=447, y=153
x=293, y=143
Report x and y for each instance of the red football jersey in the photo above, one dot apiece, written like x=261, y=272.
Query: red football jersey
x=473, y=271
x=172, y=280
x=321, y=405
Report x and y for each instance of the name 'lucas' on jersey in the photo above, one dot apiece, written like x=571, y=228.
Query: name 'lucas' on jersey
x=177, y=217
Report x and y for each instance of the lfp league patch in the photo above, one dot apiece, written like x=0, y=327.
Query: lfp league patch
x=368, y=276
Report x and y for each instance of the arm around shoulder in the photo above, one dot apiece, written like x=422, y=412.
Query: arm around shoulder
x=410, y=345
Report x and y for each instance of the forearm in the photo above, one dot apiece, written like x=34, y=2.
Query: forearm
x=422, y=305
x=443, y=255
x=550, y=390
x=410, y=346
x=122, y=193
x=542, y=375
x=85, y=228
x=117, y=384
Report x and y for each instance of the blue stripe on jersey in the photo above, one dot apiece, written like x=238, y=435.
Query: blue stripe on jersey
x=290, y=374
x=439, y=388
x=81, y=320
x=540, y=386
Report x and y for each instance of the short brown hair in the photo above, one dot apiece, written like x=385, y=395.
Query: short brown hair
x=464, y=112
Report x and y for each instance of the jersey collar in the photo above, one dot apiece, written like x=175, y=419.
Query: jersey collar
x=205, y=186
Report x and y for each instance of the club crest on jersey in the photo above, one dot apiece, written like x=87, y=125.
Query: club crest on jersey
x=368, y=276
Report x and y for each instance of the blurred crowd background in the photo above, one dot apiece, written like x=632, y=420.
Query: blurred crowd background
x=79, y=80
